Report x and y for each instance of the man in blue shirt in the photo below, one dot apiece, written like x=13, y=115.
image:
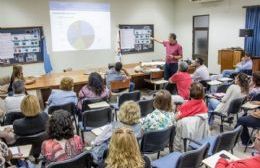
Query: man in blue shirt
x=117, y=73
x=244, y=65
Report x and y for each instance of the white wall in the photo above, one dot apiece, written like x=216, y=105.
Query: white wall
x=226, y=18
x=15, y=13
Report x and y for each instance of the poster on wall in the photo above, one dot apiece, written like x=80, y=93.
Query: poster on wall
x=136, y=38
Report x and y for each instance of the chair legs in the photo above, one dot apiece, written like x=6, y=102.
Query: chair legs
x=221, y=127
x=251, y=134
x=158, y=155
x=82, y=136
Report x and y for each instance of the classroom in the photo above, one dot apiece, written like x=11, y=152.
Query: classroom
x=130, y=83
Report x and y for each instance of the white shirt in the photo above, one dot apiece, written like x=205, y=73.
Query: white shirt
x=201, y=73
x=13, y=103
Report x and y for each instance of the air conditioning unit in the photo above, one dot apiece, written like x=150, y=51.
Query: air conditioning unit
x=204, y=1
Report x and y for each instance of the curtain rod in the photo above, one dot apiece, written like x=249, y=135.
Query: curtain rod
x=253, y=6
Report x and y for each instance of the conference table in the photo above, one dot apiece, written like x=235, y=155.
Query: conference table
x=43, y=84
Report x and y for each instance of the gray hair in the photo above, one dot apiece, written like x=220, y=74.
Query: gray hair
x=183, y=66
x=18, y=87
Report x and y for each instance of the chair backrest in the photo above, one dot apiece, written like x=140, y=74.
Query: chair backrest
x=70, y=107
x=256, y=97
x=156, y=75
x=235, y=105
x=146, y=107
x=10, y=117
x=120, y=84
x=97, y=117
x=156, y=141
x=36, y=141
x=86, y=102
x=135, y=96
x=193, y=158
x=247, y=72
x=222, y=88
x=83, y=160
x=227, y=140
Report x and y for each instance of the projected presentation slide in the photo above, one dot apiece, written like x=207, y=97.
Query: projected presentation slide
x=80, y=26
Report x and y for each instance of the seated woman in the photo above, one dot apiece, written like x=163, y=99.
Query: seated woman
x=13, y=103
x=183, y=80
x=129, y=116
x=34, y=121
x=63, y=144
x=237, y=90
x=63, y=95
x=162, y=116
x=17, y=74
x=94, y=89
x=255, y=90
x=5, y=155
x=124, y=151
x=252, y=120
x=194, y=106
x=253, y=162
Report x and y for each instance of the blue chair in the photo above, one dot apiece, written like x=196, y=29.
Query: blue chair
x=83, y=160
x=95, y=118
x=188, y=159
x=156, y=141
x=146, y=107
x=224, y=141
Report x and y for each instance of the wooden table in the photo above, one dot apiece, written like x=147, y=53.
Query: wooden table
x=43, y=84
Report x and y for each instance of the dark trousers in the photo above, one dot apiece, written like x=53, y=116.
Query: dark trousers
x=247, y=121
x=169, y=70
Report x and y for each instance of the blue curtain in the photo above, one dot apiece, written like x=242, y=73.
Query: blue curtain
x=46, y=58
x=252, y=44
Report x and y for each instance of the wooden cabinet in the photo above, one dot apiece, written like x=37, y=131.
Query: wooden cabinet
x=256, y=64
x=227, y=58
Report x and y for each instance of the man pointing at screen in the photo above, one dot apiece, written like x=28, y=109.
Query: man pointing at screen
x=173, y=54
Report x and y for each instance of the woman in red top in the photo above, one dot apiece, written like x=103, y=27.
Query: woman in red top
x=194, y=106
x=253, y=162
x=183, y=80
x=63, y=144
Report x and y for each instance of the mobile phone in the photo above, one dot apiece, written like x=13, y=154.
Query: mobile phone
x=224, y=156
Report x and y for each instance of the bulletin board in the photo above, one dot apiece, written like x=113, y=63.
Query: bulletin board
x=136, y=38
x=21, y=45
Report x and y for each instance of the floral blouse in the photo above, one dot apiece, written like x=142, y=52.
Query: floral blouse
x=157, y=120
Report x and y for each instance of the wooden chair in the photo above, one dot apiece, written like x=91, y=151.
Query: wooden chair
x=119, y=87
x=156, y=78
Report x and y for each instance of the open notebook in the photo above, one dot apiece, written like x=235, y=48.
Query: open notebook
x=21, y=151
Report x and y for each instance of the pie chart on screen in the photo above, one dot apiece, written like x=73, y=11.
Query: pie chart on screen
x=81, y=35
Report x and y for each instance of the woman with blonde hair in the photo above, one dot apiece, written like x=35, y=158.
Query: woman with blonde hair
x=124, y=151
x=63, y=95
x=129, y=116
x=34, y=121
x=162, y=117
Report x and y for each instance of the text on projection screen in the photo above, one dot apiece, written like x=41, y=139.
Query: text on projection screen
x=80, y=26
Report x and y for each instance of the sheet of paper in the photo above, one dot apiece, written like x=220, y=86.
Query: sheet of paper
x=214, y=82
x=15, y=150
x=249, y=105
x=6, y=46
x=225, y=79
x=127, y=38
x=6, y=126
x=98, y=131
x=99, y=105
x=212, y=160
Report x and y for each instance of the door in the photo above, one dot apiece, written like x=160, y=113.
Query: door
x=200, y=40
